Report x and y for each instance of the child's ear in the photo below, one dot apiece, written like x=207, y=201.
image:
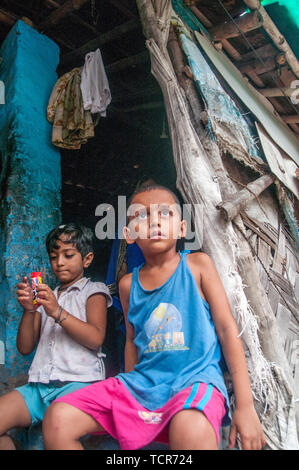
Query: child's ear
x=87, y=260
x=126, y=233
x=183, y=228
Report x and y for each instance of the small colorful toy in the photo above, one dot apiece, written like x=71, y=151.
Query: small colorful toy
x=36, y=278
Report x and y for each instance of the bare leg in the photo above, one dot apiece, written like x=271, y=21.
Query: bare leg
x=190, y=430
x=13, y=413
x=63, y=425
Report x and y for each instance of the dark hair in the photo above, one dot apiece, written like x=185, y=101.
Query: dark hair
x=79, y=236
x=152, y=187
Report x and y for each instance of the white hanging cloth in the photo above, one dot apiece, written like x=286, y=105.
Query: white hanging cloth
x=94, y=84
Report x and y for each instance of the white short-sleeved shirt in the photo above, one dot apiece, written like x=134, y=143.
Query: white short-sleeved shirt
x=58, y=356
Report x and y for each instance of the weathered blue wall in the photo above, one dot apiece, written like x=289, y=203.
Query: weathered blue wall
x=30, y=180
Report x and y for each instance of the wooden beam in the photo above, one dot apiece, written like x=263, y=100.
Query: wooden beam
x=291, y=119
x=262, y=67
x=229, y=29
x=274, y=33
x=65, y=9
x=272, y=92
x=7, y=18
x=73, y=17
x=254, y=77
x=238, y=201
x=207, y=23
x=125, y=10
x=264, y=52
x=102, y=39
x=126, y=62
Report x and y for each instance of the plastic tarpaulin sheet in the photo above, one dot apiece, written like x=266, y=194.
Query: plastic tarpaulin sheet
x=225, y=119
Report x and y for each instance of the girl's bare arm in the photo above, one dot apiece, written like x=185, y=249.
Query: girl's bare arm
x=131, y=357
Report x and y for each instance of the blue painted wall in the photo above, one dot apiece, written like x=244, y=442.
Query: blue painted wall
x=30, y=180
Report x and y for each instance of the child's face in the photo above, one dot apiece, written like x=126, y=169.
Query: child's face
x=154, y=220
x=67, y=262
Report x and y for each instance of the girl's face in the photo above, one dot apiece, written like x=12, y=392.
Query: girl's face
x=67, y=263
x=154, y=220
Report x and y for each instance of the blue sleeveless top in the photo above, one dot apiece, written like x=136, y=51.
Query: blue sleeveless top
x=175, y=339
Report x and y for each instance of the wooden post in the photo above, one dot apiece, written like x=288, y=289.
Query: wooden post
x=177, y=58
x=238, y=201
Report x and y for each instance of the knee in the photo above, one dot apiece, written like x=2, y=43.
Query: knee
x=55, y=425
x=190, y=429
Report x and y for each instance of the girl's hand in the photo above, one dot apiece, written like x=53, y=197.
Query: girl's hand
x=25, y=295
x=245, y=421
x=46, y=297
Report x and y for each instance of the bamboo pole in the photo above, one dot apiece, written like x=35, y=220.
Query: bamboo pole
x=238, y=202
x=278, y=39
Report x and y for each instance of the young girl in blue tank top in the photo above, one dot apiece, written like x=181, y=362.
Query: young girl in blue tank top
x=178, y=324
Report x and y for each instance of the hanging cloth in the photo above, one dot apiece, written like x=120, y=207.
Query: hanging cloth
x=94, y=84
x=72, y=125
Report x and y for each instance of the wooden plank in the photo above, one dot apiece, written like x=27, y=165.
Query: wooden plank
x=274, y=297
x=279, y=281
x=279, y=261
x=263, y=262
x=258, y=231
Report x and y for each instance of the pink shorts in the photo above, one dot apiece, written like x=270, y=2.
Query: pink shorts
x=113, y=407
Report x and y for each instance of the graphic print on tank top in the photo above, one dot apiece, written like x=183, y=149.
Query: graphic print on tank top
x=163, y=329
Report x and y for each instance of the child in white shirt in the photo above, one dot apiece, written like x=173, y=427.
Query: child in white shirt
x=69, y=326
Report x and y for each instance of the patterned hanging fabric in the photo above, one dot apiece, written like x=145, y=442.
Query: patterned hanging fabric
x=72, y=125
